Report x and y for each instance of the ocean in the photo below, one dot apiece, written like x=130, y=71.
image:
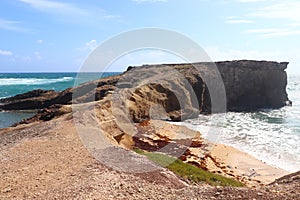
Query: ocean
x=272, y=136
x=17, y=83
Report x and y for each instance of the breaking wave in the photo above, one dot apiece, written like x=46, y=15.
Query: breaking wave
x=32, y=81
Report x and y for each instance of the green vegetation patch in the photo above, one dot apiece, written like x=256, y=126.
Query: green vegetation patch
x=188, y=171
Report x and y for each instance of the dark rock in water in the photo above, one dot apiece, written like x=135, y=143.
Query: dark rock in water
x=31, y=94
x=39, y=99
x=174, y=91
x=46, y=114
x=35, y=99
x=288, y=103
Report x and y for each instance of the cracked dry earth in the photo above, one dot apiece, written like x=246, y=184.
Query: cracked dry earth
x=46, y=160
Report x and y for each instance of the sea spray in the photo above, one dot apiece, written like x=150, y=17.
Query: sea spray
x=272, y=136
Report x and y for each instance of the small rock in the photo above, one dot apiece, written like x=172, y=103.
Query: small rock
x=7, y=190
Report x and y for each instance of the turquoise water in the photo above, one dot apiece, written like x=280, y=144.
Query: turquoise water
x=272, y=136
x=16, y=83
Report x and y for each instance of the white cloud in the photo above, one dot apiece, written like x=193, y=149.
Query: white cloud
x=70, y=12
x=5, y=53
x=264, y=30
x=39, y=41
x=273, y=32
x=294, y=24
x=89, y=46
x=282, y=33
x=11, y=25
x=287, y=10
x=53, y=6
x=283, y=18
x=149, y=1
x=239, y=21
x=38, y=55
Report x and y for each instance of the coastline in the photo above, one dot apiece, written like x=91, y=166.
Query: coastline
x=47, y=154
x=269, y=143
x=229, y=161
x=42, y=159
x=9, y=118
x=243, y=164
x=223, y=159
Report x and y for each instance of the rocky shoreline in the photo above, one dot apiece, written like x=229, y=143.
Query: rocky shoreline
x=183, y=90
x=46, y=156
x=46, y=160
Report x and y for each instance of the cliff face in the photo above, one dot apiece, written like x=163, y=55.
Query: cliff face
x=175, y=91
x=251, y=85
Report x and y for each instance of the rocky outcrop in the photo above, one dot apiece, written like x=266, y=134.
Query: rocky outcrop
x=40, y=99
x=46, y=114
x=288, y=179
x=248, y=85
x=175, y=91
x=36, y=99
x=252, y=85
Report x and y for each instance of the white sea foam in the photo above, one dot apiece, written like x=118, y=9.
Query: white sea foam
x=270, y=141
x=31, y=81
x=272, y=136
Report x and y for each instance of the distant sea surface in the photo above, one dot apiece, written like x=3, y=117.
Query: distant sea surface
x=17, y=83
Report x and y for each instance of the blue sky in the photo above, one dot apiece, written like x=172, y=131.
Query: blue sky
x=57, y=35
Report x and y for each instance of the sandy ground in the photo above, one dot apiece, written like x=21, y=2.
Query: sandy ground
x=47, y=160
x=217, y=158
x=244, y=165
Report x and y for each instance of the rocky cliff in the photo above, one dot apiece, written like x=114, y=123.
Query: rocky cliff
x=252, y=85
x=175, y=91
x=181, y=91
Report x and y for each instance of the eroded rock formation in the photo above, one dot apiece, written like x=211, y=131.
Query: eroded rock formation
x=175, y=91
x=251, y=85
